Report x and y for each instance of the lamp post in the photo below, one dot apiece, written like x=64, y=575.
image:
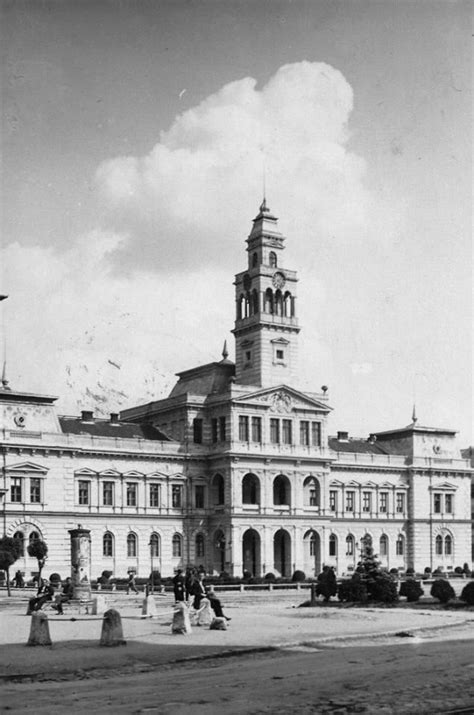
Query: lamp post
x=150, y=544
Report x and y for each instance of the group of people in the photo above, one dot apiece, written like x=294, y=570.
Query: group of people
x=190, y=586
x=51, y=592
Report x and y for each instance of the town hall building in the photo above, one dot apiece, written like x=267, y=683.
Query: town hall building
x=235, y=469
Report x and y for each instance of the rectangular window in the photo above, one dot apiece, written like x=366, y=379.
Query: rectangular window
x=332, y=500
x=366, y=501
x=15, y=489
x=131, y=494
x=197, y=430
x=35, y=490
x=304, y=432
x=287, y=432
x=316, y=434
x=176, y=496
x=383, y=501
x=222, y=430
x=400, y=502
x=280, y=355
x=199, y=496
x=248, y=355
x=215, y=429
x=257, y=429
x=274, y=431
x=84, y=493
x=243, y=428
x=437, y=503
x=350, y=498
x=108, y=493
x=399, y=547
x=154, y=495
x=448, y=503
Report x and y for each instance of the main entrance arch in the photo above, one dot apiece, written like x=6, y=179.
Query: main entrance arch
x=251, y=552
x=282, y=552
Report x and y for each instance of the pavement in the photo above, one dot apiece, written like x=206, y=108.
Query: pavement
x=259, y=622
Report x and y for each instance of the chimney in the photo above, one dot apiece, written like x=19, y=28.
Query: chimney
x=87, y=416
x=343, y=436
x=114, y=418
x=372, y=438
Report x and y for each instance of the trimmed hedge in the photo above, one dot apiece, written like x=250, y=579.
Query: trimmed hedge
x=442, y=590
x=467, y=594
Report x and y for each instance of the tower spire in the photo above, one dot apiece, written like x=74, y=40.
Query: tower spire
x=225, y=352
x=414, y=418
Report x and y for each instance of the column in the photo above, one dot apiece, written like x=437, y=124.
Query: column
x=81, y=562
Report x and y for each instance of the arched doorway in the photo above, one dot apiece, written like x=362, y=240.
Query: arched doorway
x=251, y=552
x=282, y=552
x=219, y=544
x=312, y=553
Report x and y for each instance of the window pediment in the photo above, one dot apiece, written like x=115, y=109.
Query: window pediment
x=26, y=468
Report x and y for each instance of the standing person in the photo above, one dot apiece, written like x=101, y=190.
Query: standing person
x=178, y=586
x=131, y=583
x=189, y=583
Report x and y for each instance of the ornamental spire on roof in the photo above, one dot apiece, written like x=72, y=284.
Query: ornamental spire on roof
x=225, y=352
x=414, y=418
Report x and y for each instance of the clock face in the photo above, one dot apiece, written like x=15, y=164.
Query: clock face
x=278, y=280
x=19, y=419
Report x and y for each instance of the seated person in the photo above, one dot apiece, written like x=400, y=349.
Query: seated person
x=36, y=603
x=216, y=604
x=64, y=597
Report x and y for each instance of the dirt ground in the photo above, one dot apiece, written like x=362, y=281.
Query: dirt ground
x=274, y=658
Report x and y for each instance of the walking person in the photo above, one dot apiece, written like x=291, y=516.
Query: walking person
x=131, y=583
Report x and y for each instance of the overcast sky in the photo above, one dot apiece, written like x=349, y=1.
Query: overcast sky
x=135, y=138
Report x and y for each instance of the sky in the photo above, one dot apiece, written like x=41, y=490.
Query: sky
x=137, y=139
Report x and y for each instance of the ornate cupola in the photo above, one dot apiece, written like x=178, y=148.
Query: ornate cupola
x=266, y=327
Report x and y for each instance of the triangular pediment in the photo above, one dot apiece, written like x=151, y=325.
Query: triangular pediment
x=157, y=475
x=445, y=486
x=336, y=483
x=27, y=467
x=85, y=472
x=282, y=399
x=109, y=473
x=133, y=473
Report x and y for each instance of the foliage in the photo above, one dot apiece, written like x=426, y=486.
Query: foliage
x=380, y=585
x=38, y=549
x=411, y=589
x=410, y=571
x=55, y=578
x=270, y=576
x=458, y=570
x=298, y=577
x=427, y=570
x=246, y=576
x=353, y=590
x=326, y=583
x=467, y=594
x=442, y=590
x=10, y=551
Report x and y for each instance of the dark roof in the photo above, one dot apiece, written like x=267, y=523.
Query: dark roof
x=105, y=428
x=205, y=380
x=360, y=446
x=410, y=429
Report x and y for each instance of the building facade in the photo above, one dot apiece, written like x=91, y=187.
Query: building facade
x=235, y=469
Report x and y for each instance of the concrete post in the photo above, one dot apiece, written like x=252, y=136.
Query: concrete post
x=81, y=563
x=39, y=630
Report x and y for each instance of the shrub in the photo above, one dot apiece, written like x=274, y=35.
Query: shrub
x=442, y=590
x=394, y=572
x=256, y=580
x=298, y=577
x=410, y=571
x=246, y=576
x=270, y=576
x=427, y=570
x=467, y=594
x=411, y=589
x=458, y=570
x=55, y=578
x=353, y=589
x=437, y=572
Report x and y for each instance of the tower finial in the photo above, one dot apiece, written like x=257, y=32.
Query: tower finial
x=4, y=376
x=414, y=418
x=225, y=352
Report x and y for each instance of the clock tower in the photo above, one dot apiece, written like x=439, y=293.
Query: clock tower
x=266, y=328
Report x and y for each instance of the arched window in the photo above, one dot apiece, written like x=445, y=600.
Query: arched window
x=269, y=301
x=248, y=304
x=250, y=489
x=33, y=536
x=108, y=544
x=272, y=259
x=255, y=301
x=254, y=259
x=439, y=545
x=350, y=545
x=218, y=489
x=281, y=490
x=199, y=545
x=20, y=537
x=131, y=545
x=313, y=544
x=400, y=545
x=311, y=492
x=177, y=545
x=333, y=545
x=154, y=545
x=448, y=545
x=278, y=309
x=287, y=305
x=383, y=546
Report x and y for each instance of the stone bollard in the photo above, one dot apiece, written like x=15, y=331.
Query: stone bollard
x=205, y=613
x=39, y=630
x=181, y=623
x=98, y=605
x=112, y=633
x=149, y=607
x=218, y=624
